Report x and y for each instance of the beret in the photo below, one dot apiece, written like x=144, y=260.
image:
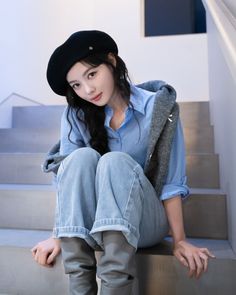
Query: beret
x=78, y=46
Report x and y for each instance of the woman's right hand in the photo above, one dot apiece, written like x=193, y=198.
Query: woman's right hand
x=45, y=252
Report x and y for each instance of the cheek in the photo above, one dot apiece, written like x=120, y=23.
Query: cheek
x=110, y=81
x=80, y=92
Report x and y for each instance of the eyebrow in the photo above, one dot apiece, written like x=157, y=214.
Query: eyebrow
x=91, y=67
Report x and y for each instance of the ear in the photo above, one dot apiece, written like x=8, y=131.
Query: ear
x=112, y=58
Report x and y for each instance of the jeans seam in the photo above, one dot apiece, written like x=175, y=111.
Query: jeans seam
x=136, y=177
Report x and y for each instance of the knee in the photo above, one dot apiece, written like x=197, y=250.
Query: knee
x=82, y=156
x=116, y=160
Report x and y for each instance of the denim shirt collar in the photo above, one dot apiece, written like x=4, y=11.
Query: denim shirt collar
x=136, y=100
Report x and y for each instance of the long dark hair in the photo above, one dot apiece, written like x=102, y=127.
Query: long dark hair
x=94, y=116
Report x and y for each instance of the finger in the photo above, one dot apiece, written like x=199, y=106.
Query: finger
x=183, y=261
x=199, y=265
x=192, y=266
x=43, y=258
x=33, y=253
x=51, y=258
x=34, y=250
x=204, y=258
x=205, y=250
x=36, y=256
x=181, y=258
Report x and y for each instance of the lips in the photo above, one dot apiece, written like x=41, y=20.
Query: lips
x=97, y=98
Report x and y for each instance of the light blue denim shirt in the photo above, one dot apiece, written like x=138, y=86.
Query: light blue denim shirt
x=132, y=138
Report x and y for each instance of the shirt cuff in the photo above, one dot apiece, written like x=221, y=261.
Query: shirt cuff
x=172, y=190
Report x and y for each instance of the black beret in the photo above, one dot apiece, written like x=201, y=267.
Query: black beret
x=78, y=46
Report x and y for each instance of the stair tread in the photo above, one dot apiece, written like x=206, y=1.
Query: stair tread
x=50, y=187
x=28, y=238
x=208, y=191
x=22, y=238
x=27, y=187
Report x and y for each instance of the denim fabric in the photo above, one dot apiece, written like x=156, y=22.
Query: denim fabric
x=132, y=137
x=111, y=192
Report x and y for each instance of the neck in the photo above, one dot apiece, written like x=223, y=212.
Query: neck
x=118, y=104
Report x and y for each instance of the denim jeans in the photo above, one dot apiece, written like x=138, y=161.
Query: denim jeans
x=111, y=192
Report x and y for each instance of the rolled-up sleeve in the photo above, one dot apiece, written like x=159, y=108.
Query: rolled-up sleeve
x=176, y=182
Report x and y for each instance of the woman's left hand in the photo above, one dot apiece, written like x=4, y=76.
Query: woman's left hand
x=194, y=258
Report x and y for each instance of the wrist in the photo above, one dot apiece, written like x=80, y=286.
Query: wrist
x=179, y=239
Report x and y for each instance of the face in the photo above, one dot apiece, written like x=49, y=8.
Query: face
x=93, y=84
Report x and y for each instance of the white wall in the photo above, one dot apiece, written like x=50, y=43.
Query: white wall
x=222, y=85
x=231, y=4
x=30, y=31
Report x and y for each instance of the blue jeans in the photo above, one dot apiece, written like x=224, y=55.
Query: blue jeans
x=111, y=192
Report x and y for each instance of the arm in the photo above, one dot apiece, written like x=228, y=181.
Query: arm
x=194, y=258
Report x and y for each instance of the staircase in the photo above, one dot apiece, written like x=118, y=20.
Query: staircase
x=27, y=201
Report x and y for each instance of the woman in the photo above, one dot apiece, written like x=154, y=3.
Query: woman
x=120, y=169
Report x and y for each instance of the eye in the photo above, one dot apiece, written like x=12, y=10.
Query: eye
x=75, y=86
x=92, y=74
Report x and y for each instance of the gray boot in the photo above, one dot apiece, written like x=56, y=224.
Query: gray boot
x=116, y=267
x=80, y=263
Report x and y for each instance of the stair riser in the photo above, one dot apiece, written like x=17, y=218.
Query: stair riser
x=193, y=114
x=41, y=140
x=23, y=169
x=164, y=275
x=199, y=140
x=35, y=209
x=22, y=275
x=27, y=140
x=202, y=170
x=37, y=116
x=157, y=275
x=204, y=215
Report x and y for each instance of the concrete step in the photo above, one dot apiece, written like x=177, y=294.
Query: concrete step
x=25, y=168
x=199, y=140
x=35, y=206
x=26, y=140
x=158, y=271
x=203, y=170
x=37, y=116
x=19, y=274
x=192, y=114
x=204, y=212
x=30, y=140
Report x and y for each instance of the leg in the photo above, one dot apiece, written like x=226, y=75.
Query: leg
x=117, y=268
x=122, y=192
x=80, y=263
x=127, y=202
x=76, y=207
x=76, y=200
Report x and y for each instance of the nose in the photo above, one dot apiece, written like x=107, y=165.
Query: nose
x=89, y=89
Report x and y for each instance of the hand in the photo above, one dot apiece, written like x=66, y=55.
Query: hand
x=194, y=258
x=46, y=251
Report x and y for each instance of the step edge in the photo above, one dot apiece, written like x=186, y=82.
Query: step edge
x=30, y=237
